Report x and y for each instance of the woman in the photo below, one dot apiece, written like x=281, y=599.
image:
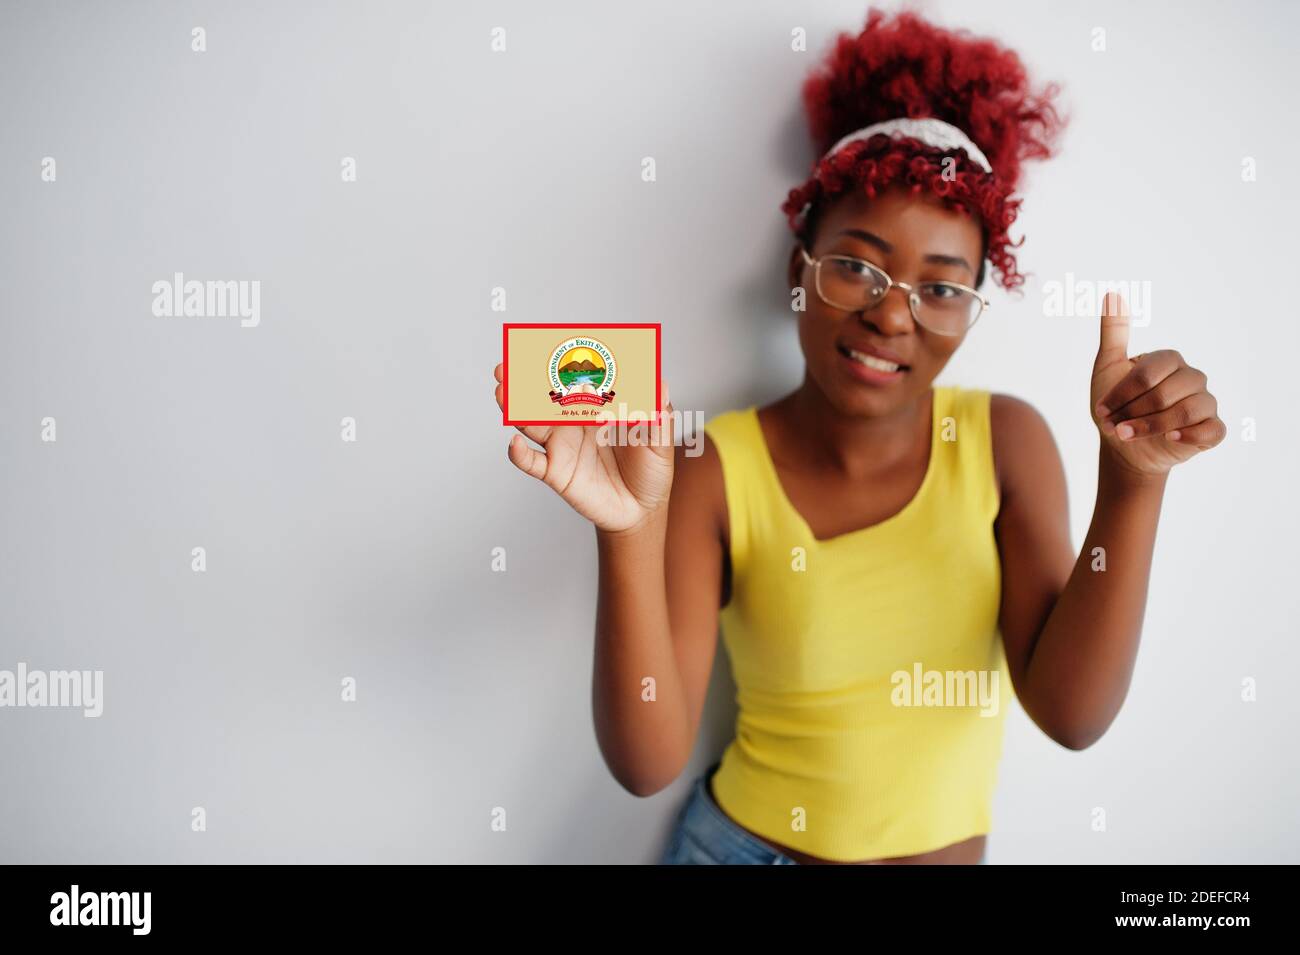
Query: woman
x=889, y=559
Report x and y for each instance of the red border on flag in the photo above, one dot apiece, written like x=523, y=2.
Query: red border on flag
x=586, y=422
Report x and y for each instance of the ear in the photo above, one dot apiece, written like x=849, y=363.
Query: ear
x=794, y=269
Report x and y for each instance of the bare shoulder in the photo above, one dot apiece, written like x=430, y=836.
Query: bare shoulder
x=1023, y=447
x=699, y=529
x=699, y=493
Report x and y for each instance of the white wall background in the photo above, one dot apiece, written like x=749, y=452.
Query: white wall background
x=372, y=559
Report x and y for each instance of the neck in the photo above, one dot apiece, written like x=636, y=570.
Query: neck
x=854, y=444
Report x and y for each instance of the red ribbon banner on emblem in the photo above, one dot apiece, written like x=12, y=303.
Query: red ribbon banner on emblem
x=582, y=398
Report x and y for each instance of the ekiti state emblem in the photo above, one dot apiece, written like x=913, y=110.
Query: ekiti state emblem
x=582, y=371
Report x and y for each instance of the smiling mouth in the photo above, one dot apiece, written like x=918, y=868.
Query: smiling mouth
x=871, y=361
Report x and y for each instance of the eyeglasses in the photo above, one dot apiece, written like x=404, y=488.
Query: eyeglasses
x=855, y=285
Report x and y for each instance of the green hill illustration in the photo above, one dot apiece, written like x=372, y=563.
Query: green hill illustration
x=577, y=372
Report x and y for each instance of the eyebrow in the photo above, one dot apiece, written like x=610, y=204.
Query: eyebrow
x=872, y=239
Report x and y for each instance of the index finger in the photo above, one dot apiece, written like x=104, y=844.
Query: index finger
x=1148, y=371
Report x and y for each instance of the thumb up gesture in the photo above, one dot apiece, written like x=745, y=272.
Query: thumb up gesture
x=1153, y=410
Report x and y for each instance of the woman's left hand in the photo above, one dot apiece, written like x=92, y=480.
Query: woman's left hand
x=1153, y=411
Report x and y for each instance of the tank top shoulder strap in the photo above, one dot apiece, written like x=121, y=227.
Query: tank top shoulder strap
x=965, y=434
x=738, y=439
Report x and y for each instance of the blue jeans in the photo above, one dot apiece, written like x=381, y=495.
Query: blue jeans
x=705, y=835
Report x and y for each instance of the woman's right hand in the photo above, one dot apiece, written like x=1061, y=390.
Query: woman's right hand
x=616, y=487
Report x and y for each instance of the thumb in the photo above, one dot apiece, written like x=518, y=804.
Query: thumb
x=661, y=431
x=1114, y=331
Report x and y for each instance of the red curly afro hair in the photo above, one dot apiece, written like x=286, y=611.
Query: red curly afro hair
x=904, y=66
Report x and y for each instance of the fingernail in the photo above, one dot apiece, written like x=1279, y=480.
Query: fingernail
x=1125, y=431
x=1175, y=435
x=1102, y=411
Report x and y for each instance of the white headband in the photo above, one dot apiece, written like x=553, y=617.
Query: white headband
x=932, y=132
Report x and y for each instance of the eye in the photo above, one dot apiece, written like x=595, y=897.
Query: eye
x=854, y=267
x=942, y=291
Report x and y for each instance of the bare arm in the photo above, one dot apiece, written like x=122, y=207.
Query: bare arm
x=660, y=519
x=1071, y=625
x=657, y=620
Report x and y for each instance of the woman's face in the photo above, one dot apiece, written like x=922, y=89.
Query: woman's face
x=914, y=238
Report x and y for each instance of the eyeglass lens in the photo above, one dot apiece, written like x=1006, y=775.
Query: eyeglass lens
x=855, y=285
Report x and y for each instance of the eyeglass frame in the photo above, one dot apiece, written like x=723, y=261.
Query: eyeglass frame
x=912, y=303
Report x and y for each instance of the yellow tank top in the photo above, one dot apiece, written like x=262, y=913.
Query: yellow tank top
x=869, y=668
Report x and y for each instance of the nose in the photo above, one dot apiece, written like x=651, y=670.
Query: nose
x=892, y=316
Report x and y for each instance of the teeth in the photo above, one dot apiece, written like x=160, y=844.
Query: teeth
x=871, y=361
